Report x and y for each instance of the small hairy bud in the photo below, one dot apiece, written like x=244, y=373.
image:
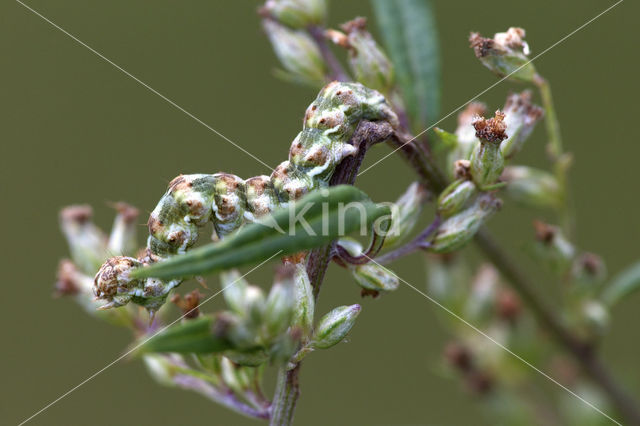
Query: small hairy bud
x=457, y=230
x=122, y=239
x=367, y=60
x=455, y=197
x=335, y=326
x=296, y=51
x=375, y=279
x=279, y=305
x=487, y=161
x=458, y=356
x=505, y=54
x=531, y=187
x=508, y=305
x=554, y=245
x=304, y=305
x=296, y=14
x=405, y=213
x=87, y=243
x=521, y=117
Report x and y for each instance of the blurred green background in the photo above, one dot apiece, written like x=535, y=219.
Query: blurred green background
x=76, y=130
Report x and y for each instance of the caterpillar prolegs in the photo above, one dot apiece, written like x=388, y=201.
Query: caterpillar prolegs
x=228, y=201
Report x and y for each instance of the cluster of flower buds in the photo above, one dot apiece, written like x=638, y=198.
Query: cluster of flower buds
x=367, y=60
x=506, y=54
x=256, y=320
x=89, y=247
x=296, y=14
x=585, y=273
x=297, y=52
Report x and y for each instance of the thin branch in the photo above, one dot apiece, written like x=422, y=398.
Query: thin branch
x=228, y=399
x=418, y=243
x=336, y=71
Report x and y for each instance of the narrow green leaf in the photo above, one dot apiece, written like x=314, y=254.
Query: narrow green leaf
x=326, y=218
x=625, y=283
x=410, y=37
x=193, y=336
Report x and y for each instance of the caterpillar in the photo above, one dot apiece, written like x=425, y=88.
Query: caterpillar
x=228, y=201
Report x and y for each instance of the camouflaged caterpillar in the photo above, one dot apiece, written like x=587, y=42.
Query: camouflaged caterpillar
x=229, y=201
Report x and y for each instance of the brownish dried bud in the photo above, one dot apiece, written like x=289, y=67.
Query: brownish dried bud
x=481, y=46
x=545, y=233
x=462, y=169
x=479, y=382
x=128, y=213
x=66, y=283
x=188, y=304
x=458, y=356
x=591, y=263
x=508, y=305
x=491, y=130
x=77, y=214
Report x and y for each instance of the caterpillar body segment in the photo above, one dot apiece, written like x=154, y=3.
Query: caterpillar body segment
x=228, y=201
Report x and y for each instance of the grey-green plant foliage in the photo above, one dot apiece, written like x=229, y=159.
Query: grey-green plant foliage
x=224, y=355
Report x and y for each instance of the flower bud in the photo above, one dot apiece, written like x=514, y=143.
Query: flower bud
x=234, y=288
x=588, y=268
x=161, y=368
x=482, y=293
x=455, y=197
x=447, y=278
x=505, y=54
x=531, y=187
x=521, y=117
x=304, y=305
x=87, y=243
x=234, y=376
x=367, y=60
x=375, y=279
x=189, y=304
x=122, y=240
x=458, y=356
x=296, y=14
x=405, y=213
x=596, y=317
x=465, y=134
x=334, y=326
x=508, y=306
x=554, y=246
x=487, y=161
x=456, y=231
x=297, y=52
x=278, y=308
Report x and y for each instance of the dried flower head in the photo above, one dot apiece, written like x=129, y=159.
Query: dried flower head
x=491, y=130
x=505, y=54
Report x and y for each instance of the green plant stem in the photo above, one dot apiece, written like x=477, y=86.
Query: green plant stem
x=286, y=397
x=560, y=159
x=288, y=388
